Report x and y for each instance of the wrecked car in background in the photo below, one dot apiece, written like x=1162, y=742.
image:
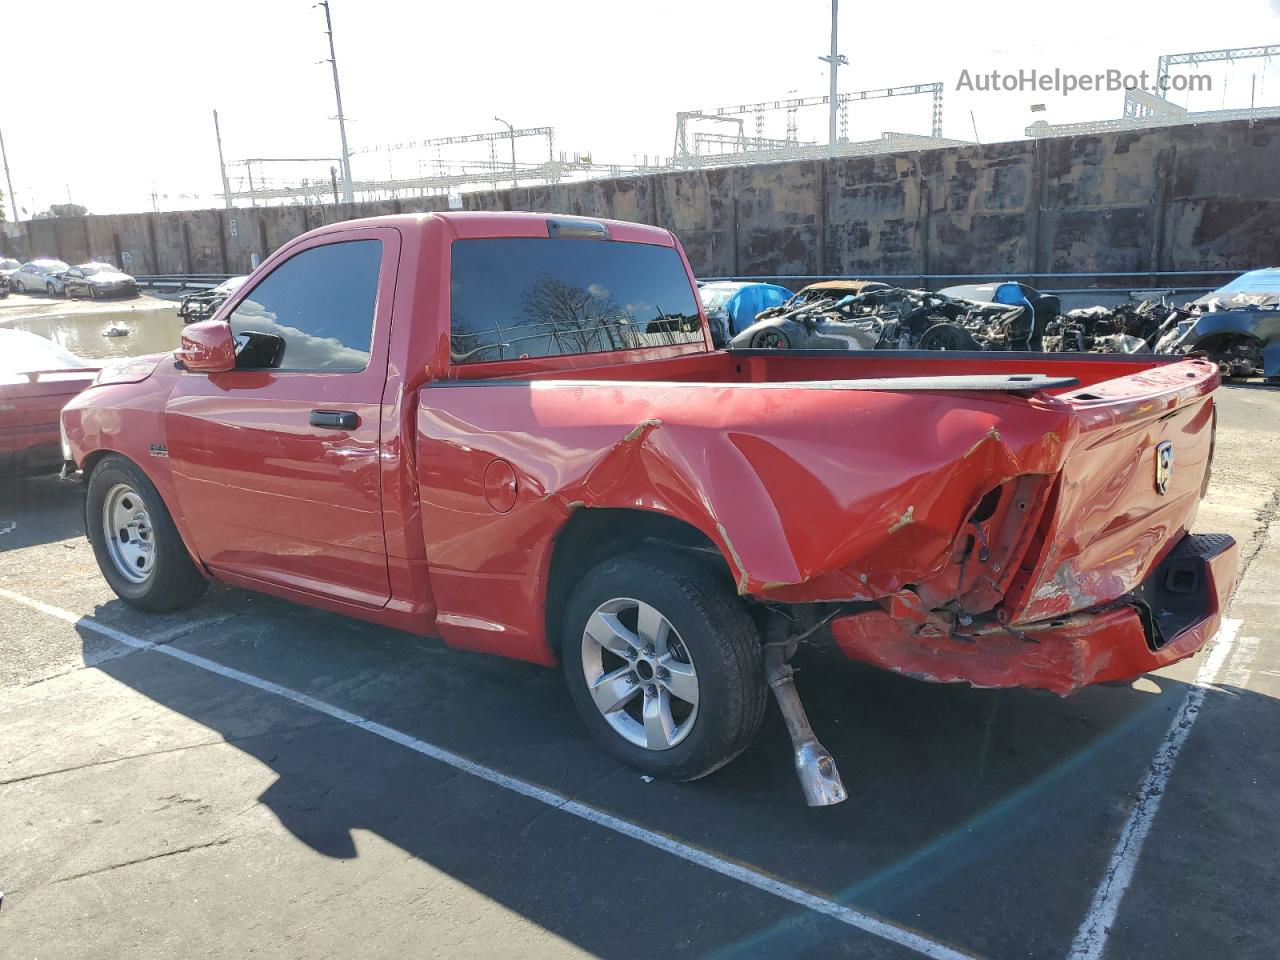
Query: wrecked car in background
x=1043, y=308
x=1124, y=328
x=870, y=315
x=97, y=280
x=195, y=307
x=732, y=305
x=1238, y=325
x=523, y=468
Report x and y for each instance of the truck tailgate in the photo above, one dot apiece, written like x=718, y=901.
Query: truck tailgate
x=1128, y=491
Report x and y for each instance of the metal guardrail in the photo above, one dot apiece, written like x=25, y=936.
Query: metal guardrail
x=182, y=281
x=1176, y=280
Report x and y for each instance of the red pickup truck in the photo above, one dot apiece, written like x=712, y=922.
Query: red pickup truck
x=511, y=431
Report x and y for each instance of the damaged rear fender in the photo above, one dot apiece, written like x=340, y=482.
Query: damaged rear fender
x=808, y=495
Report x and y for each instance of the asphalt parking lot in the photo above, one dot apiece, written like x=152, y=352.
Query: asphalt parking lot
x=255, y=778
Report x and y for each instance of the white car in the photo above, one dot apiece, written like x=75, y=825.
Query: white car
x=40, y=276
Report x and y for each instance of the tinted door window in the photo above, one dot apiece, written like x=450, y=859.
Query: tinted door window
x=313, y=312
x=514, y=297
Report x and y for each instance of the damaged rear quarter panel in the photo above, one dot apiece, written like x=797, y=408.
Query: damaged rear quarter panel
x=808, y=494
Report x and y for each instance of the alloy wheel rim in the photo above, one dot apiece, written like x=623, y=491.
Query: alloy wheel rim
x=639, y=674
x=128, y=533
x=772, y=340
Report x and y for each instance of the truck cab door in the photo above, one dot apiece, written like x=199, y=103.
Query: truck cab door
x=276, y=463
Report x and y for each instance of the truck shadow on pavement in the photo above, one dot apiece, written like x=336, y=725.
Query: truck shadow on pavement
x=36, y=510
x=981, y=818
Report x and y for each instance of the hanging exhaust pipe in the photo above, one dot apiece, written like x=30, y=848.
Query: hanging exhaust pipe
x=816, y=768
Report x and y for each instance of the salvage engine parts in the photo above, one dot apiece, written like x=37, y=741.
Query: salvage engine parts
x=868, y=315
x=1125, y=328
x=1238, y=326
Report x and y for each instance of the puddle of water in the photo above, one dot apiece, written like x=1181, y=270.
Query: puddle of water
x=108, y=333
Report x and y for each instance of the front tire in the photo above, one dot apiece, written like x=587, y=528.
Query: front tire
x=137, y=547
x=664, y=664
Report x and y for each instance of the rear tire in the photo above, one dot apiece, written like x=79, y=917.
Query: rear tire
x=692, y=696
x=947, y=336
x=771, y=340
x=142, y=556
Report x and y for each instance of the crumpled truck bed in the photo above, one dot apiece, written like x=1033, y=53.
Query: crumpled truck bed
x=810, y=492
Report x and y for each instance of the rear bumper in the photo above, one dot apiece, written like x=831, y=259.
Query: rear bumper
x=1166, y=619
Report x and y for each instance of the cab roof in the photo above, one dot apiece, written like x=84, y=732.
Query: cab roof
x=466, y=225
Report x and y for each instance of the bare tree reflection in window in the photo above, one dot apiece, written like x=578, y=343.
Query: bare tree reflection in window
x=575, y=319
x=467, y=345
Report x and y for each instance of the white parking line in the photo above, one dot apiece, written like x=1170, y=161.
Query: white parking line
x=1091, y=939
x=727, y=868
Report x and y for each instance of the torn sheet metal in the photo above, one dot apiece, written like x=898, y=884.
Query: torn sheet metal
x=940, y=506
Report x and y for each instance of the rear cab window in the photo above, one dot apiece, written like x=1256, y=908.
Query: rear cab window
x=522, y=297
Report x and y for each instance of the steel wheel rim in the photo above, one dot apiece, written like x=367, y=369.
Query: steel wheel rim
x=639, y=674
x=128, y=533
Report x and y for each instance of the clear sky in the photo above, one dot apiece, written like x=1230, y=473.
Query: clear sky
x=111, y=102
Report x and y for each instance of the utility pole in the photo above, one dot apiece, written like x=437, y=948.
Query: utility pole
x=347, y=194
x=13, y=201
x=835, y=60
x=222, y=166
x=514, y=181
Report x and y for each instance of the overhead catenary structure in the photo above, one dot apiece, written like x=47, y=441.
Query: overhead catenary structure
x=1150, y=108
x=736, y=114
x=1139, y=106
x=431, y=173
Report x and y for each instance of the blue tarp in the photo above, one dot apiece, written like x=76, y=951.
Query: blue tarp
x=749, y=299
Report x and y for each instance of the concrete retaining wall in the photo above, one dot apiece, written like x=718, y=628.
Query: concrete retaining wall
x=1171, y=198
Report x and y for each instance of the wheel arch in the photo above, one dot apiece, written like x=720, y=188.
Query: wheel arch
x=92, y=458
x=592, y=535
x=1222, y=339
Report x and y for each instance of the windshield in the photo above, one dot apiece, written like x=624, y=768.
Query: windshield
x=717, y=295
x=9, y=264
x=89, y=269
x=23, y=352
x=516, y=297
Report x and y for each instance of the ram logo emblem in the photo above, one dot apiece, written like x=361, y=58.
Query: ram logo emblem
x=1164, y=466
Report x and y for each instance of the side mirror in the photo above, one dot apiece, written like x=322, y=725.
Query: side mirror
x=207, y=347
